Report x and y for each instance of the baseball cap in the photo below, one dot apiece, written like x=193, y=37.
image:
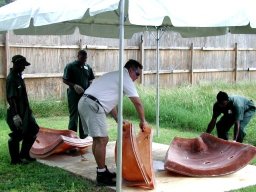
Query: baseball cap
x=20, y=60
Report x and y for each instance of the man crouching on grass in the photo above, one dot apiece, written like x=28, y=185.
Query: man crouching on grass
x=236, y=110
x=100, y=99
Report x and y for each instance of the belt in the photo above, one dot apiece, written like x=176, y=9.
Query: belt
x=93, y=98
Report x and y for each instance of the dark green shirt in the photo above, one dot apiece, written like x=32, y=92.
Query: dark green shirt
x=237, y=107
x=77, y=74
x=16, y=89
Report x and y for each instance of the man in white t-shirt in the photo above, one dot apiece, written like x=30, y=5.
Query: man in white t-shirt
x=100, y=99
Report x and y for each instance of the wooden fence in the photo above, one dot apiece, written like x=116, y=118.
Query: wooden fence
x=187, y=61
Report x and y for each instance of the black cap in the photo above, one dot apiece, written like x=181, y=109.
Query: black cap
x=20, y=60
x=222, y=96
x=82, y=52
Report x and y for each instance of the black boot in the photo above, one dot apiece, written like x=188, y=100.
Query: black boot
x=14, y=151
x=110, y=174
x=25, y=148
x=106, y=178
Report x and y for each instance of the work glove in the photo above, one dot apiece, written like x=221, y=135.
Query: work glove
x=17, y=121
x=78, y=89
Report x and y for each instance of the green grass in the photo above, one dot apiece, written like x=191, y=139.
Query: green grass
x=184, y=112
x=36, y=177
x=39, y=177
x=49, y=108
x=189, y=108
x=2, y=111
x=2, y=3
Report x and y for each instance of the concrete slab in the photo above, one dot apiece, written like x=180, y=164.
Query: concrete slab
x=165, y=182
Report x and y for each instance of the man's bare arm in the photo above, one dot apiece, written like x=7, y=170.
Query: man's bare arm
x=140, y=110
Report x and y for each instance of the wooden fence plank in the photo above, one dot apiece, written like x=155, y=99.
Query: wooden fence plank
x=192, y=62
x=236, y=55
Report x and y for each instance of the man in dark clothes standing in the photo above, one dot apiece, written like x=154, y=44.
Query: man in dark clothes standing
x=77, y=75
x=237, y=111
x=19, y=115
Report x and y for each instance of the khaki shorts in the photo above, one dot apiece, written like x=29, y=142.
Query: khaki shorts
x=93, y=117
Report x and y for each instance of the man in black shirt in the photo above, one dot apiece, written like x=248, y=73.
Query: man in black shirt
x=236, y=110
x=19, y=115
x=78, y=76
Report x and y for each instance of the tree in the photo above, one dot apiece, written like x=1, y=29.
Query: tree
x=9, y=1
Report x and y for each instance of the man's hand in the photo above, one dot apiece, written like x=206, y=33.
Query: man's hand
x=211, y=125
x=125, y=121
x=143, y=125
x=17, y=121
x=78, y=89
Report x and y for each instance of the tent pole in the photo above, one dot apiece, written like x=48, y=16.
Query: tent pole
x=142, y=58
x=157, y=85
x=6, y=63
x=120, y=98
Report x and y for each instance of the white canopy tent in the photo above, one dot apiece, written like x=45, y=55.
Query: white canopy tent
x=120, y=19
x=99, y=18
